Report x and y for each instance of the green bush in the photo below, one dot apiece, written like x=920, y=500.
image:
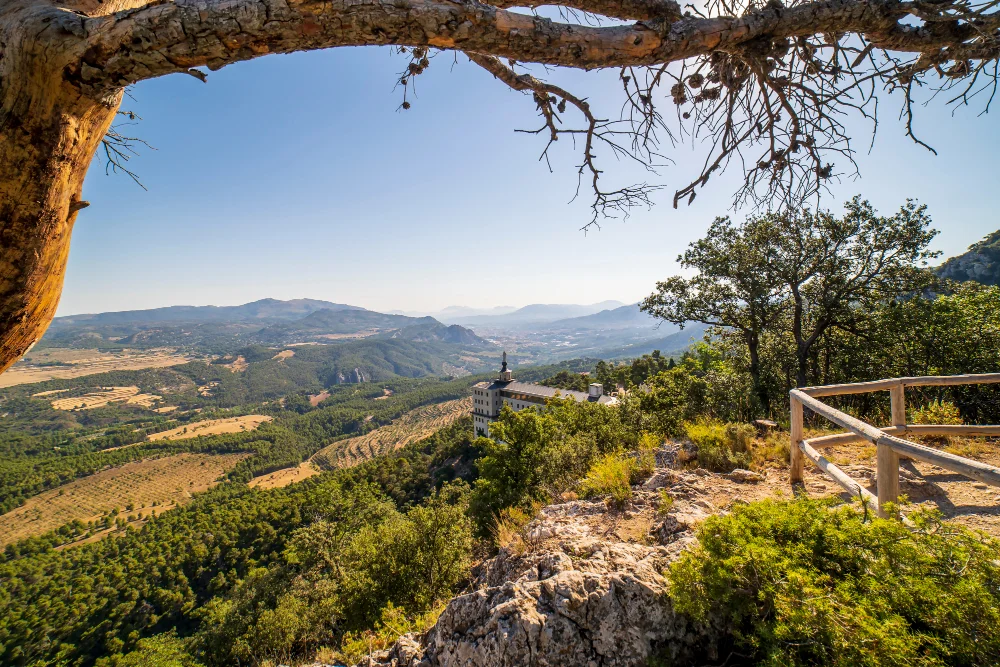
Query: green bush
x=722, y=447
x=610, y=476
x=937, y=412
x=805, y=583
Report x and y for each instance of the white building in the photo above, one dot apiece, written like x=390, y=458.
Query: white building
x=489, y=397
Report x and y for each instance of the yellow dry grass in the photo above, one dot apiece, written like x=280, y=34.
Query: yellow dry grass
x=238, y=365
x=284, y=477
x=168, y=482
x=284, y=354
x=211, y=427
x=85, y=362
x=105, y=395
x=412, y=426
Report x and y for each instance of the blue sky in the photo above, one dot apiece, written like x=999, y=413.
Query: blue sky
x=296, y=176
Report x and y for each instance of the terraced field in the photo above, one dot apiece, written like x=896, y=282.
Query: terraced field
x=412, y=426
x=167, y=481
x=101, y=397
x=211, y=427
x=77, y=363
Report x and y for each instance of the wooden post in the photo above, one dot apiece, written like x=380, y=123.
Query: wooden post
x=887, y=477
x=897, y=403
x=897, y=396
x=797, y=462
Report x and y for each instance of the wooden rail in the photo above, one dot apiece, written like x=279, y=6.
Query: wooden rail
x=889, y=447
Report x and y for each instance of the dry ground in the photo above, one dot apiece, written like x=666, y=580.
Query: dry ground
x=285, y=476
x=167, y=481
x=101, y=397
x=961, y=500
x=211, y=427
x=412, y=426
x=316, y=399
x=284, y=354
x=85, y=362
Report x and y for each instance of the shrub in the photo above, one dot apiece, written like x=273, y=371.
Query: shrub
x=805, y=583
x=610, y=476
x=937, y=412
x=395, y=623
x=722, y=447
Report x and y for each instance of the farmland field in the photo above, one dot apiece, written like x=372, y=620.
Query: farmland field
x=412, y=426
x=103, y=396
x=77, y=363
x=167, y=481
x=211, y=427
x=285, y=476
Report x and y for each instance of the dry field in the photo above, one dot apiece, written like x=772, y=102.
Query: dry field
x=284, y=354
x=284, y=477
x=318, y=398
x=351, y=336
x=412, y=426
x=239, y=364
x=211, y=427
x=85, y=362
x=168, y=482
x=101, y=397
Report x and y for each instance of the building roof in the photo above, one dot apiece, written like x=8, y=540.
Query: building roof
x=542, y=391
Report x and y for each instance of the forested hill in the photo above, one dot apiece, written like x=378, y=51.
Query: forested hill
x=980, y=263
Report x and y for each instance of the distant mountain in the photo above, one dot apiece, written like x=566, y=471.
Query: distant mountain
x=335, y=322
x=623, y=317
x=980, y=263
x=263, y=309
x=534, y=314
x=435, y=331
x=669, y=344
x=331, y=325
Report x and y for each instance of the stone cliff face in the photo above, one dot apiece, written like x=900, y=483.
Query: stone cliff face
x=580, y=586
x=981, y=263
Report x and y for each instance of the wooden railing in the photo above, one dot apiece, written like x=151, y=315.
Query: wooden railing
x=889, y=447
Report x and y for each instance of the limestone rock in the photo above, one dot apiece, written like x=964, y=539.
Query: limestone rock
x=572, y=593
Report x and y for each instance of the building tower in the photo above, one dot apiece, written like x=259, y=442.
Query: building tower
x=505, y=375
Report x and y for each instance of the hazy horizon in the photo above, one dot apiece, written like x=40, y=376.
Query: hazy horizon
x=296, y=176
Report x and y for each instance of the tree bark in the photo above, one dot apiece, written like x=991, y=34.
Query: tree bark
x=49, y=132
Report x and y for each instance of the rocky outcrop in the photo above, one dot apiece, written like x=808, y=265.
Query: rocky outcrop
x=981, y=263
x=580, y=585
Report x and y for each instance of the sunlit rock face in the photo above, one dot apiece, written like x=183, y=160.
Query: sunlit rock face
x=981, y=263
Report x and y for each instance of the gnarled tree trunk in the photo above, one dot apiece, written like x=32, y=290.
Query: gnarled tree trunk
x=49, y=131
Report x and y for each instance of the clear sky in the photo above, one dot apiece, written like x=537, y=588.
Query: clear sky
x=296, y=176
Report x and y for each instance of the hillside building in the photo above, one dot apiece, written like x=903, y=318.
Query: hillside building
x=488, y=398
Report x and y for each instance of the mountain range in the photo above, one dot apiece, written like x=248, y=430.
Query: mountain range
x=255, y=310
x=533, y=314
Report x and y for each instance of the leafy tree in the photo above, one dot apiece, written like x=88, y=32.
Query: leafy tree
x=567, y=380
x=804, y=272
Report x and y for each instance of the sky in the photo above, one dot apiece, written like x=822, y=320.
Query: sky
x=299, y=176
